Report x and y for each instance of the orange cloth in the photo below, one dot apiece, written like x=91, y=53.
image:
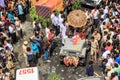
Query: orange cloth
x=109, y=47
x=52, y=4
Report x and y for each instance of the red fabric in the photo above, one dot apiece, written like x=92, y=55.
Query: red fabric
x=109, y=47
x=82, y=35
x=66, y=61
x=75, y=39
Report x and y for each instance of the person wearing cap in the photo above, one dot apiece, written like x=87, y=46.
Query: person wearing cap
x=24, y=47
x=109, y=71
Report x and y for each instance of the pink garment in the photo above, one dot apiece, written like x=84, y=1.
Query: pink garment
x=29, y=53
x=2, y=3
x=115, y=78
x=115, y=25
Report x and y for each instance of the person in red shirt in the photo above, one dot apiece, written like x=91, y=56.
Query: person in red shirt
x=51, y=38
x=82, y=34
x=51, y=35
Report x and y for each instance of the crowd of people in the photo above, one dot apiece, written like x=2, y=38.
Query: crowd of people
x=102, y=35
x=12, y=14
x=105, y=30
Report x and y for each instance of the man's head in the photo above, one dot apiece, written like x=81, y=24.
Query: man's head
x=28, y=49
x=92, y=38
x=91, y=63
x=108, y=56
x=116, y=65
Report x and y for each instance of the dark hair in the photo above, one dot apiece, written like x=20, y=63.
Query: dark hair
x=114, y=37
x=91, y=62
x=116, y=65
x=36, y=34
x=109, y=55
x=105, y=32
x=108, y=44
x=116, y=21
x=104, y=23
x=51, y=30
x=113, y=75
x=28, y=49
x=108, y=37
x=92, y=37
x=35, y=18
x=105, y=60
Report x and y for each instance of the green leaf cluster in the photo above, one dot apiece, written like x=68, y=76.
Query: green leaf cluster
x=57, y=11
x=33, y=13
x=76, y=5
x=43, y=20
x=54, y=76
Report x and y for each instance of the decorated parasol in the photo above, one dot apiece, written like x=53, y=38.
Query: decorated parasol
x=77, y=19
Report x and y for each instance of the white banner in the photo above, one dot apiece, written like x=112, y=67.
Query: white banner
x=31, y=73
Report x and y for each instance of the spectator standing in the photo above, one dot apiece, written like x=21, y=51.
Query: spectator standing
x=90, y=69
x=24, y=47
x=21, y=12
x=19, y=28
x=30, y=56
x=63, y=29
x=45, y=49
x=95, y=17
x=94, y=48
x=12, y=31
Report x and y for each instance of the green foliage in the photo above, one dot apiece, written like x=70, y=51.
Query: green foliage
x=33, y=13
x=53, y=76
x=44, y=21
x=76, y=5
x=57, y=11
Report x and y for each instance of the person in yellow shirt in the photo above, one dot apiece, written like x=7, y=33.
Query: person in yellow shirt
x=94, y=48
x=24, y=47
x=11, y=66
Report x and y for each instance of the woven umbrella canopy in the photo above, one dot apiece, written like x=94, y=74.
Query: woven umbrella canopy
x=77, y=19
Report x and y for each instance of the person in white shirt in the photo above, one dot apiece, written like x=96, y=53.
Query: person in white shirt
x=106, y=10
x=12, y=31
x=95, y=16
x=19, y=28
x=63, y=29
x=47, y=31
x=35, y=19
x=55, y=20
x=102, y=15
x=106, y=18
x=110, y=61
x=52, y=16
x=56, y=24
x=61, y=19
x=104, y=55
